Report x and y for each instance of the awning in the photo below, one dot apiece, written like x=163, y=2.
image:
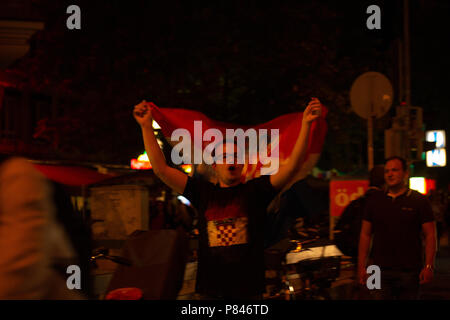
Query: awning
x=72, y=175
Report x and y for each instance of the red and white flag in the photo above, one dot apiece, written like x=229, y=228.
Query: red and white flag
x=289, y=125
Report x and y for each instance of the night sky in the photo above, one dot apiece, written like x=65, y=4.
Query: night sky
x=239, y=61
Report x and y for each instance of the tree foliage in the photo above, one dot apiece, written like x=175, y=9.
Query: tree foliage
x=234, y=61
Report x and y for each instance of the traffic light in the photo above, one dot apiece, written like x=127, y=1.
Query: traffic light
x=435, y=144
x=406, y=137
x=395, y=143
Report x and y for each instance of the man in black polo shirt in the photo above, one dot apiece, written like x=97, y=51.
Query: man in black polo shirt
x=396, y=219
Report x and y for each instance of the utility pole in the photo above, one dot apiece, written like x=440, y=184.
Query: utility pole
x=405, y=137
x=406, y=51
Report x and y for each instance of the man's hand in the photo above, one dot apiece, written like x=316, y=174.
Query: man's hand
x=426, y=276
x=286, y=172
x=313, y=111
x=172, y=177
x=143, y=115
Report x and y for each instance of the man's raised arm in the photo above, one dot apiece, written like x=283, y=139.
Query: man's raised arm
x=285, y=173
x=173, y=178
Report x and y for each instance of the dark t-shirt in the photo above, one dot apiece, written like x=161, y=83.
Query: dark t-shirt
x=397, y=226
x=231, y=235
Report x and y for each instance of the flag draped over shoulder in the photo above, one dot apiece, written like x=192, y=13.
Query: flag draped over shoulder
x=289, y=125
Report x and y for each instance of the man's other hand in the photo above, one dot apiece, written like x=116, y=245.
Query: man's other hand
x=142, y=113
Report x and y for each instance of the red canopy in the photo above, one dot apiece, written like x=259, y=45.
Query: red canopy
x=71, y=175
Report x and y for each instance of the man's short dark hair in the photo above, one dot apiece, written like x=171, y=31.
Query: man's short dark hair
x=403, y=161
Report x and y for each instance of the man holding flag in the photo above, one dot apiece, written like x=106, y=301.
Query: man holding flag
x=231, y=213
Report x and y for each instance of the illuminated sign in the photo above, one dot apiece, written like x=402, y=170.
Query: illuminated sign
x=421, y=184
x=141, y=163
x=418, y=184
x=436, y=157
x=436, y=136
x=342, y=192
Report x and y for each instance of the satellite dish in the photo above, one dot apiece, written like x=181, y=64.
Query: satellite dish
x=371, y=95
